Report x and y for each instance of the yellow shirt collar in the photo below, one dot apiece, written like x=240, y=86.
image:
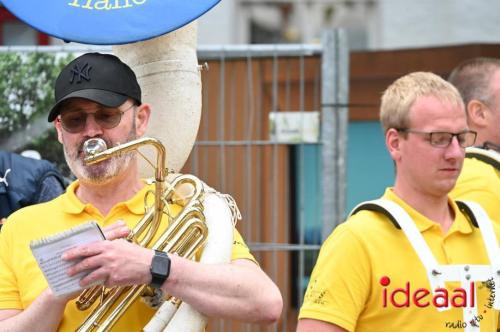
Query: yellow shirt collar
x=460, y=223
x=72, y=205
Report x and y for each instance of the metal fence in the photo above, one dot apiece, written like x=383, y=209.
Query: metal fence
x=291, y=195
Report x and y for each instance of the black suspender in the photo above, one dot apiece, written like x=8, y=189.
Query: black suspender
x=483, y=156
x=377, y=208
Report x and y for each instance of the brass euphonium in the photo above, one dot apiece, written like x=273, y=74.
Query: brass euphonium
x=185, y=234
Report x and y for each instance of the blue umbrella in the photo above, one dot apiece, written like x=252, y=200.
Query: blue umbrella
x=107, y=22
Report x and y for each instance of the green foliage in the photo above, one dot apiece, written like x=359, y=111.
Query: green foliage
x=27, y=92
x=26, y=87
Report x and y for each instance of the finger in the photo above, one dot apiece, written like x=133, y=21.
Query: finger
x=87, y=264
x=86, y=250
x=117, y=230
x=96, y=277
x=117, y=233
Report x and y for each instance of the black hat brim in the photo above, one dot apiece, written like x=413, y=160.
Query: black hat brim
x=103, y=97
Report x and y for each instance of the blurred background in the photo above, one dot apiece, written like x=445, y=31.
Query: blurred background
x=290, y=98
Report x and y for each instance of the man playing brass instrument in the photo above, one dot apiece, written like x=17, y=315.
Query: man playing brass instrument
x=97, y=96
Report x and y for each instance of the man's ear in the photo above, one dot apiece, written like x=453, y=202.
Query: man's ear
x=57, y=125
x=142, y=119
x=393, y=143
x=476, y=113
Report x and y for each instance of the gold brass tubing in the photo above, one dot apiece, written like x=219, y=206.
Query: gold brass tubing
x=126, y=302
x=186, y=251
x=159, y=174
x=90, y=295
x=185, y=234
x=91, y=322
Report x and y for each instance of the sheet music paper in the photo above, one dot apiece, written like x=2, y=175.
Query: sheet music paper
x=48, y=251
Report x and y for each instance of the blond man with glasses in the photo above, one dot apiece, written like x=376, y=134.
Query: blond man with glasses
x=413, y=260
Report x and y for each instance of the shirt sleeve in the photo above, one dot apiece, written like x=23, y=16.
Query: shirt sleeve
x=240, y=248
x=9, y=294
x=340, y=282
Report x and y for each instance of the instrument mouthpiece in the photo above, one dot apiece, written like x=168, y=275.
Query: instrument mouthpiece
x=93, y=146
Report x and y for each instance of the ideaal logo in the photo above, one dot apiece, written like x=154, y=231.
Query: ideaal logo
x=423, y=297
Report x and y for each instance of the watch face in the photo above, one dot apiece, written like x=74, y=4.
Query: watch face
x=160, y=265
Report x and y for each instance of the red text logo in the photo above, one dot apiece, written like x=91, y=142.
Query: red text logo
x=422, y=297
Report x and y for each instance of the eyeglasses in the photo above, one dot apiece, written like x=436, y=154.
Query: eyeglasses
x=73, y=121
x=443, y=139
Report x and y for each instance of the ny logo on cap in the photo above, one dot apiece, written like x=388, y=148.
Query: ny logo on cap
x=80, y=73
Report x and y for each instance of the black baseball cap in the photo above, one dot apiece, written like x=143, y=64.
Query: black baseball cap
x=102, y=78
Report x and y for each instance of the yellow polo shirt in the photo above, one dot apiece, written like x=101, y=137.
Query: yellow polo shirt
x=349, y=284
x=21, y=281
x=479, y=182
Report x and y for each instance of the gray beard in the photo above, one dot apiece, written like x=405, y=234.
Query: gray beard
x=103, y=171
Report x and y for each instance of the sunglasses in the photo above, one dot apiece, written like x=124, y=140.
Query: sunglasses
x=74, y=121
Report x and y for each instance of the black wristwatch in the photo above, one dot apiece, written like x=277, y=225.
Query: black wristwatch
x=160, y=268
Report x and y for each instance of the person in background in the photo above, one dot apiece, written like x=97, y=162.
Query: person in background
x=26, y=181
x=478, y=81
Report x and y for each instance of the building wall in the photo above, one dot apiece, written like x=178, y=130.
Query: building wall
x=409, y=23
x=218, y=25
x=370, y=24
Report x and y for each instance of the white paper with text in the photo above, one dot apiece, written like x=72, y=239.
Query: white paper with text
x=48, y=251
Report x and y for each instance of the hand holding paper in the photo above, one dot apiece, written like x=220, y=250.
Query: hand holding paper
x=48, y=254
